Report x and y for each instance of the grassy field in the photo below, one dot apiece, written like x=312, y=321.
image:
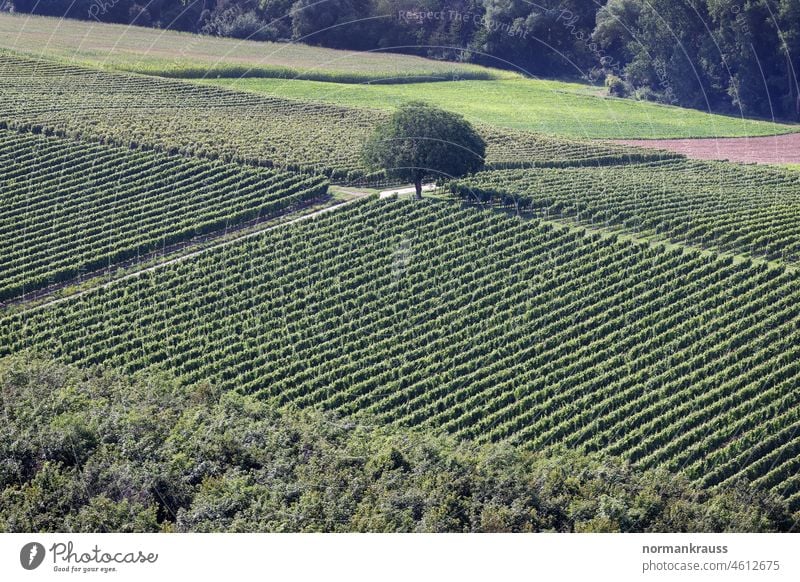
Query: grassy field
x=551, y=107
x=176, y=54
x=174, y=116
x=485, y=95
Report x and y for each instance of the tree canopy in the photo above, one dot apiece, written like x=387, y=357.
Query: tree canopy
x=422, y=142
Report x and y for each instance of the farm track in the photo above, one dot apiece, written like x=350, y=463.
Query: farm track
x=266, y=224
x=70, y=207
x=209, y=240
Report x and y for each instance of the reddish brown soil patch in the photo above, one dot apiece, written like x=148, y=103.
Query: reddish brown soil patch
x=775, y=149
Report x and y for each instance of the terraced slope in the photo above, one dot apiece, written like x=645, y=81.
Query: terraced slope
x=477, y=323
x=748, y=210
x=179, y=117
x=69, y=207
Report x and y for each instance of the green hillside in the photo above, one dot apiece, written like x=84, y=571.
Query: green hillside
x=145, y=454
x=177, y=54
x=372, y=80
x=138, y=111
x=582, y=336
x=745, y=210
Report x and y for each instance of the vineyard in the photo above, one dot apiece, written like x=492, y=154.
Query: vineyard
x=182, y=118
x=485, y=325
x=70, y=207
x=749, y=210
x=574, y=296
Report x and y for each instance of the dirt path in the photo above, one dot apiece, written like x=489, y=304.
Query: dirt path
x=149, y=257
x=354, y=194
x=775, y=149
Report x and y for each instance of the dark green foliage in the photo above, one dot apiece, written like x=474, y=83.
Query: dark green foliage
x=616, y=86
x=484, y=325
x=151, y=455
x=421, y=142
x=334, y=23
x=735, y=55
x=238, y=21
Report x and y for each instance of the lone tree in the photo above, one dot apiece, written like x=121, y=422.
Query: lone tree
x=421, y=141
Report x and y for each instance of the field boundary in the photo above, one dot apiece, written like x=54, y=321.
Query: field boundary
x=246, y=231
x=621, y=234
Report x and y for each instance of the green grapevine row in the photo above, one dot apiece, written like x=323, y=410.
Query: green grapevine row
x=485, y=325
x=178, y=117
x=69, y=207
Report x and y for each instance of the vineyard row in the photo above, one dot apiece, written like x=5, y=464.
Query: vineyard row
x=485, y=325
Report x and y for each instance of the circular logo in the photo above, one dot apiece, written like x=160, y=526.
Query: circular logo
x=31, y=555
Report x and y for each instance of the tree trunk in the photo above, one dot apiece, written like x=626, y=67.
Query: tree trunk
x=418, y=186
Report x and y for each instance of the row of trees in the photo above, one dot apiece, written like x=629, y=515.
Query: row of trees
x=734, y=55
x=100, y=452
